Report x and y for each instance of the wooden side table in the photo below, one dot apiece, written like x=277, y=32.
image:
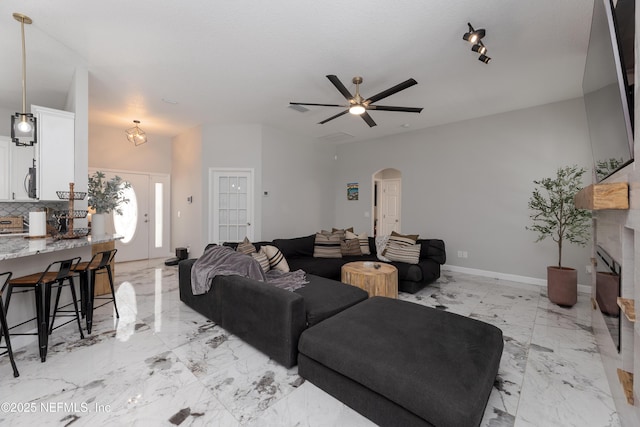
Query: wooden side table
x=381, y=281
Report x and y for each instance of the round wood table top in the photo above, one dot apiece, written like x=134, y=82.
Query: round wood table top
x=380, y=281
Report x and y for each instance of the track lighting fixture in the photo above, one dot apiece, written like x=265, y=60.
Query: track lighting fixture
x=475, y=38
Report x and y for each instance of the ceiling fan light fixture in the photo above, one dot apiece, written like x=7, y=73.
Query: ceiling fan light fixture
x=23, y=124
x=357, y=109
x=136, y=135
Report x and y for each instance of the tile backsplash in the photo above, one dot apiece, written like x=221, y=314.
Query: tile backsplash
x=23, y=208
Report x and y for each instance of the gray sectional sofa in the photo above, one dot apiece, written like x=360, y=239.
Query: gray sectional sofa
x=267, y=317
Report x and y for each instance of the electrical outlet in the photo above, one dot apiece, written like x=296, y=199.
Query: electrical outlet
x=589, y=269
x=465, y=254
x=459, y=254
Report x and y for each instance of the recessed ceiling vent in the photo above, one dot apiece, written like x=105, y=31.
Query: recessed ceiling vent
x=299, y=108
x=336, y=137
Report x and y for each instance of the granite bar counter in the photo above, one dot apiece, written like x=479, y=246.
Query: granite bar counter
x=19, y=246
x=22, y=256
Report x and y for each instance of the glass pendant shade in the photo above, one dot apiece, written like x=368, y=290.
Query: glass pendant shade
x=357, y=110
x=23, y=125
x=23, y=129
x=136, y=135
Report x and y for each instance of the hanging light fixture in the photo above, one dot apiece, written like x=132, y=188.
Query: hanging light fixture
x=475, y=38
x=136, y=135
x=23, y=124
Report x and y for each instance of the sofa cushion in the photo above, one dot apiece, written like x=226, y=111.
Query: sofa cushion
x=438, y=365
x=402, y=239
x=327, y=246
x=325, y=267
x=277, y=261
x=350, y=247
x=298, y=246
x=324, y=298
x=402, y=253
x=263, y=259
x=246, y=247
x=362, y=238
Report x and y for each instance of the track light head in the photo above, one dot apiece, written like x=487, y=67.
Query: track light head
x=484, y=58
x=473, y=36
x=479, y=48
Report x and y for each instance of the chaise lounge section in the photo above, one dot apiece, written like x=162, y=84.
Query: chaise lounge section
x=403, y=364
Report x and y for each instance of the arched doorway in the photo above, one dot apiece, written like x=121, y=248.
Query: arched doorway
x=387, y=200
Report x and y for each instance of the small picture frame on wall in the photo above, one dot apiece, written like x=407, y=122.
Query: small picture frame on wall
x=352, y=191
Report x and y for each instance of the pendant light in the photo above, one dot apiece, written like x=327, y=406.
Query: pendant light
x=23, y=124
x=136, y=135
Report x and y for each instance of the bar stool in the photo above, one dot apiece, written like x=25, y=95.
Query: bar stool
x=4, y=329
x=41, y=283
x=101, y=261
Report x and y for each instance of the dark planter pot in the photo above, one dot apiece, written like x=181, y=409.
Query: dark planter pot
x=562, y=285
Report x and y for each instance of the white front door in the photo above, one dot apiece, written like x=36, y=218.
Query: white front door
x=231, y=205
x=389, y=206
x=145, y=222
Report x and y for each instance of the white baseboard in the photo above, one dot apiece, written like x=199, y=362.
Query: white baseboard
x=584, y=289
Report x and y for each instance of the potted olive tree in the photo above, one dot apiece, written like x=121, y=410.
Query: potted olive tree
x=105, y=196
x=555, y=216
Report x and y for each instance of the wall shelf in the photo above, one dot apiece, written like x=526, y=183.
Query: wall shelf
x=628, y=308
x=603, y=196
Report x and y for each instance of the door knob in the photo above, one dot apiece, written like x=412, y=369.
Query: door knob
x=249, y=224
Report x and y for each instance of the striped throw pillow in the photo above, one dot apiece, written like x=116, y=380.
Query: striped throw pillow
x=402, y=252
x=402, y=239
x=276, y=259
x=327, y=246
x=263, y=259
x=246, y=247
x=350, y=247
x=362, y=238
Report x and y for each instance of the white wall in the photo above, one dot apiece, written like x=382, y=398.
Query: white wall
x=187, y=179
x=232, y=146
x=469, y=182
x=109, y=149
x=297, y=173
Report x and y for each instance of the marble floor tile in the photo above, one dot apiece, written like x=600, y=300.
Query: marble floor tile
x=162, y=363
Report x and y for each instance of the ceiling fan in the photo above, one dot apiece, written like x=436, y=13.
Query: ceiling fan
x=359, y=106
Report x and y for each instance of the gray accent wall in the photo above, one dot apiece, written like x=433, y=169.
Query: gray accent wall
x=469, y=182
x=297, y=174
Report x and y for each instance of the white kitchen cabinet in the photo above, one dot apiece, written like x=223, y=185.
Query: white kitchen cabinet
x=5, y=156
x=21, y=160
x=54, y=151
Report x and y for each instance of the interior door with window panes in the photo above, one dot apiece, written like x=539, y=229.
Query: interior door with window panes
x=231, y=211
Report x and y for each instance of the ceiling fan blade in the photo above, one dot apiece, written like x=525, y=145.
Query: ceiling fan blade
x=367, y=118
x=341, y=88
x=397, y=88
x=389, y=108
x=333, y=117
x=318, y=105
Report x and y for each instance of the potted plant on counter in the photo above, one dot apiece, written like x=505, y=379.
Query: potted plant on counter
x=555, y=216
x=105, y=196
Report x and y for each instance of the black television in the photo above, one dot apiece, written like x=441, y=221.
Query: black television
x=608, y=93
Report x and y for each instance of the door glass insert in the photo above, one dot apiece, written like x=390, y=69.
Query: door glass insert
x=125, y=224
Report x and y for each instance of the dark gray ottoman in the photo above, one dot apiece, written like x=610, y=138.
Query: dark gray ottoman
x=403, y=364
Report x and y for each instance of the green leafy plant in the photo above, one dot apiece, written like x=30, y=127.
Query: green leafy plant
x=106, y=195
x=554, y=214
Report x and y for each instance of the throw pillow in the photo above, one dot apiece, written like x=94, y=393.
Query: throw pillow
x=276, y=259
x=364, y=241
x=341, y=231
x=350, y=247
x=402, y=239
x=381, y=244
x=327, y=246
x=402, y=253
x=263, y=259
x=246, y=247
